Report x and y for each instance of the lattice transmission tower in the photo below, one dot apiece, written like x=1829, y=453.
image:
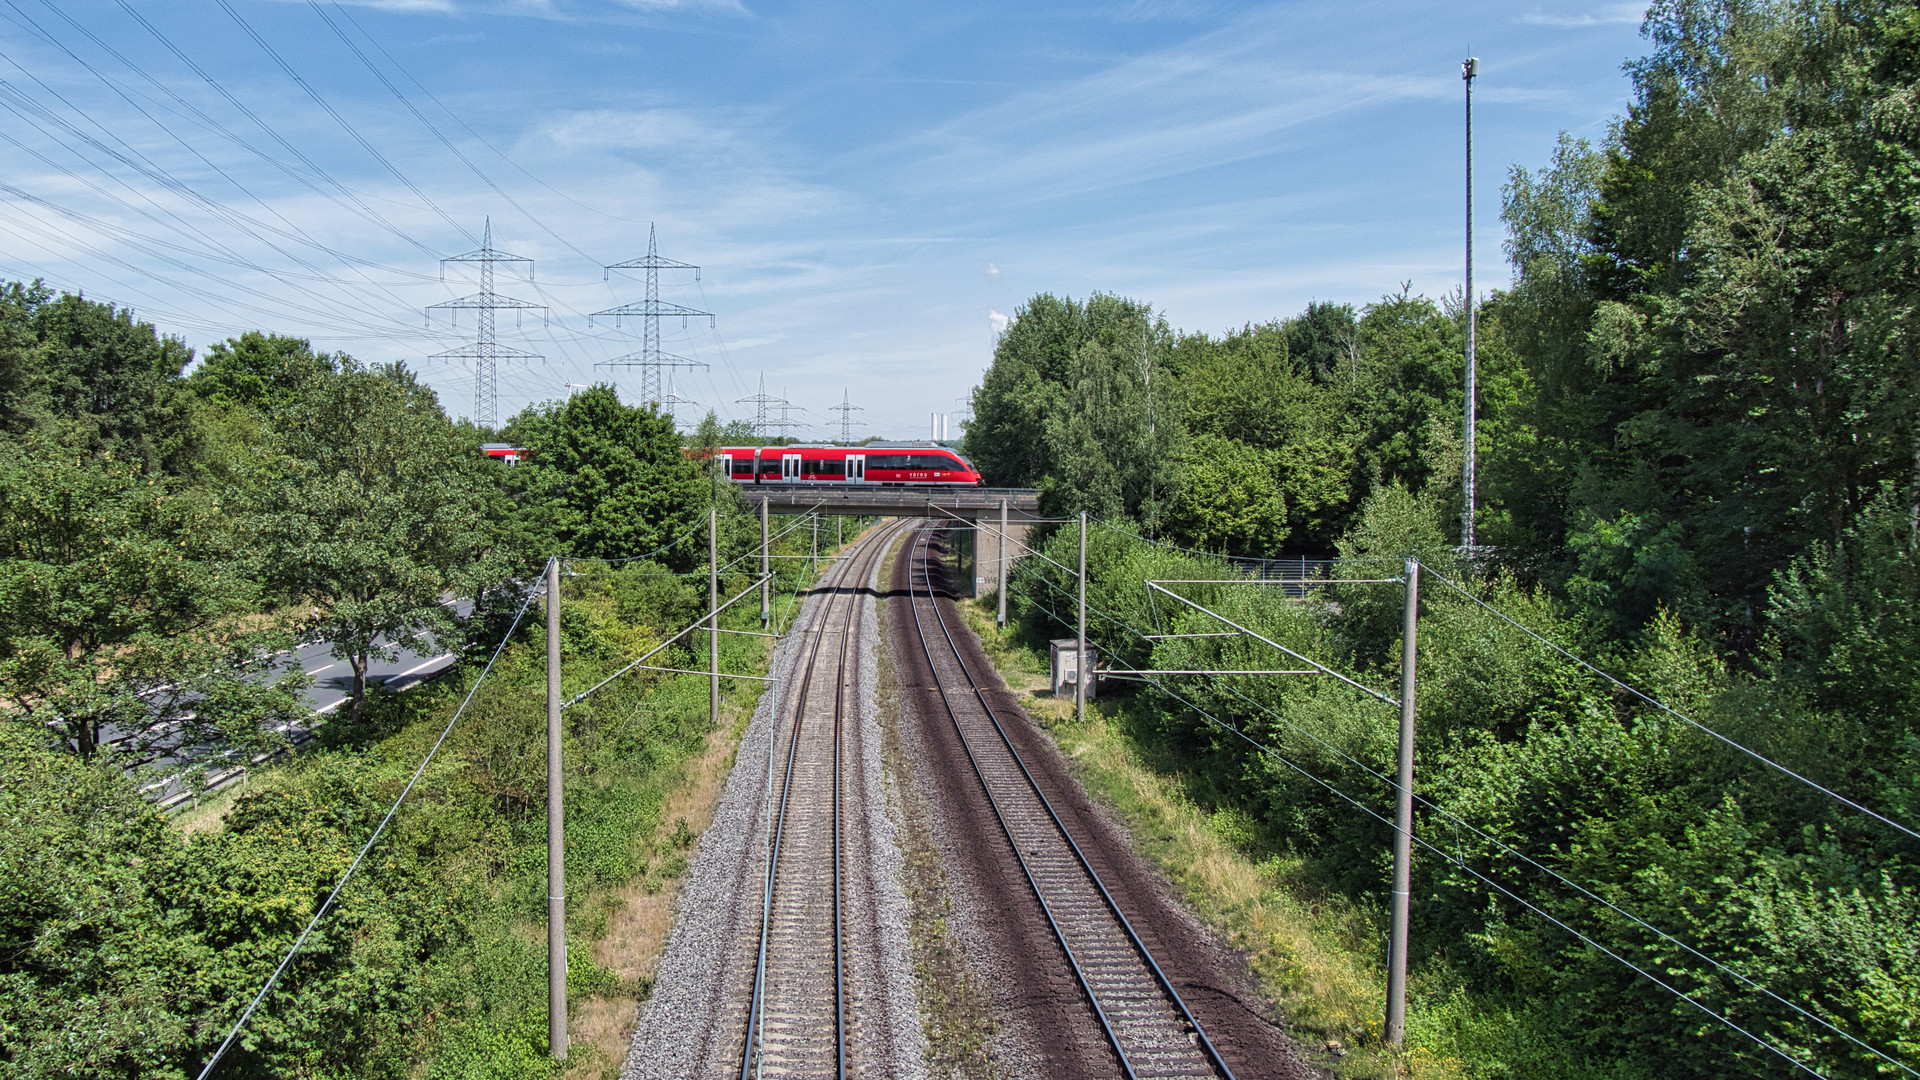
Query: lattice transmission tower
x=673, y=400
x=846, y=409
x=650, y=359
x=762, y=402
x=485, y=352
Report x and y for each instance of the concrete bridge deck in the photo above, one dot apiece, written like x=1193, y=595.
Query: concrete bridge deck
x=878, y=500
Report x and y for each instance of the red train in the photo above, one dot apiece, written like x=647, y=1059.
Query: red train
x=875, y=463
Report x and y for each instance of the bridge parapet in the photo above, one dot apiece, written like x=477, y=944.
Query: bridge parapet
x=989, y=554
x=874, y=500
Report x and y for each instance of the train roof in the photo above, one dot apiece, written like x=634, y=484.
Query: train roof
x=923, y=444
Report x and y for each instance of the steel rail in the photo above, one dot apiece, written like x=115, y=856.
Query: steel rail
x=1133, y=937
x=750, y=1051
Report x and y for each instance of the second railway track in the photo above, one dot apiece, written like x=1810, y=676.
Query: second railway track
x=1146, y=1024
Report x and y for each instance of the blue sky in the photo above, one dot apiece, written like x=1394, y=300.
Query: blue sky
x=871, y=189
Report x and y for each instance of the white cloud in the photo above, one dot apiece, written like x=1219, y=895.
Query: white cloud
x=1607, y=15
x=998, y=321
x=993, y=271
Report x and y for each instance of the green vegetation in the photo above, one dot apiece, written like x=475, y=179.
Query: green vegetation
x=1700, y=462
x=162, y=533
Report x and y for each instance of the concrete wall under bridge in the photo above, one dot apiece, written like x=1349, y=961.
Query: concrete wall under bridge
x=976, y=508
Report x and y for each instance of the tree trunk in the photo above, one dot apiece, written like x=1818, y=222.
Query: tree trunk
x=359, y=662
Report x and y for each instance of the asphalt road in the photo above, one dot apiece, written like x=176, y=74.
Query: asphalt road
x=333, y=678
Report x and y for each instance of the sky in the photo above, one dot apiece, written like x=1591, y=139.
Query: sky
x=871, y=190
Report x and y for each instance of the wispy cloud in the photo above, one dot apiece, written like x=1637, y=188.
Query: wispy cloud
x=1606, y=15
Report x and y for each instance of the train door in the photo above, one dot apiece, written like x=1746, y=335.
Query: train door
x=725, y=468
x=790, y=467
x=856, y=467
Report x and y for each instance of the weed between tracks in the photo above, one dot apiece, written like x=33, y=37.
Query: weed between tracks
x=954, y=1011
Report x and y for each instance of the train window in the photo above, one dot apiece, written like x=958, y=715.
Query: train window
x=827, y=468
x=769, y=466
x=889, y=461
x=930, y=461
x=743, y=466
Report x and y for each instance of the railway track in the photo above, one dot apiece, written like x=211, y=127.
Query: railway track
x=800, y=1016
x=1147, y=1025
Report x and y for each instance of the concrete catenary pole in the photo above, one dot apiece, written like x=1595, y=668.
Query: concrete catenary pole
x=766, y=567
x=1469, y=68
x=556, y=833
x=1403, y=818
x=1080, y=665
x=713, y=614
x=1003, y=563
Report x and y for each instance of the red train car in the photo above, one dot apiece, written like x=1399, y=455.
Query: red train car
x=892, y=464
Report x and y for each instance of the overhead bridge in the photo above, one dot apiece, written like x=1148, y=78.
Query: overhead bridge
x=876, y=500
x=984, y=553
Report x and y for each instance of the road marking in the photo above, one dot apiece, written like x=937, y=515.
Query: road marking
x=325, y=709
x=418, y=667
x=318, y=670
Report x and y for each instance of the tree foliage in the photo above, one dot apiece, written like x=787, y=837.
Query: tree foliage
x=378, y=517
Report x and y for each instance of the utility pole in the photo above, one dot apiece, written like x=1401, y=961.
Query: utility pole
x=1003, y=563
x=1469, y=68
x=485, y=352
x=1080, y=649
x=1403, y=817
x=713, y=613
x=556, y=833
x=650, y=360
x=766, y=567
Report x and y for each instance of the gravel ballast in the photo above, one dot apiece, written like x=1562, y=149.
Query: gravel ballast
x=694, y=1024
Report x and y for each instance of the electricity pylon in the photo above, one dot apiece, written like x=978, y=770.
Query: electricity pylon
x=760, y=402
x=673, y=400
x=650, y=360
x=846, y=409
x=485, y=352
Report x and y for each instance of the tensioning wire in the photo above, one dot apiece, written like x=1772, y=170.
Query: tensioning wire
x=1583, y=890
x=371, y=840
x=1657, y=981
x=1671, y=711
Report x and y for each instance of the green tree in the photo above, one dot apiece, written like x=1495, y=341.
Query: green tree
x=1229, y=499
x=91, y=374
x=606, y=480
x=1044, y=387
x=121, y=605
x=382, y=510
x=263, y=372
